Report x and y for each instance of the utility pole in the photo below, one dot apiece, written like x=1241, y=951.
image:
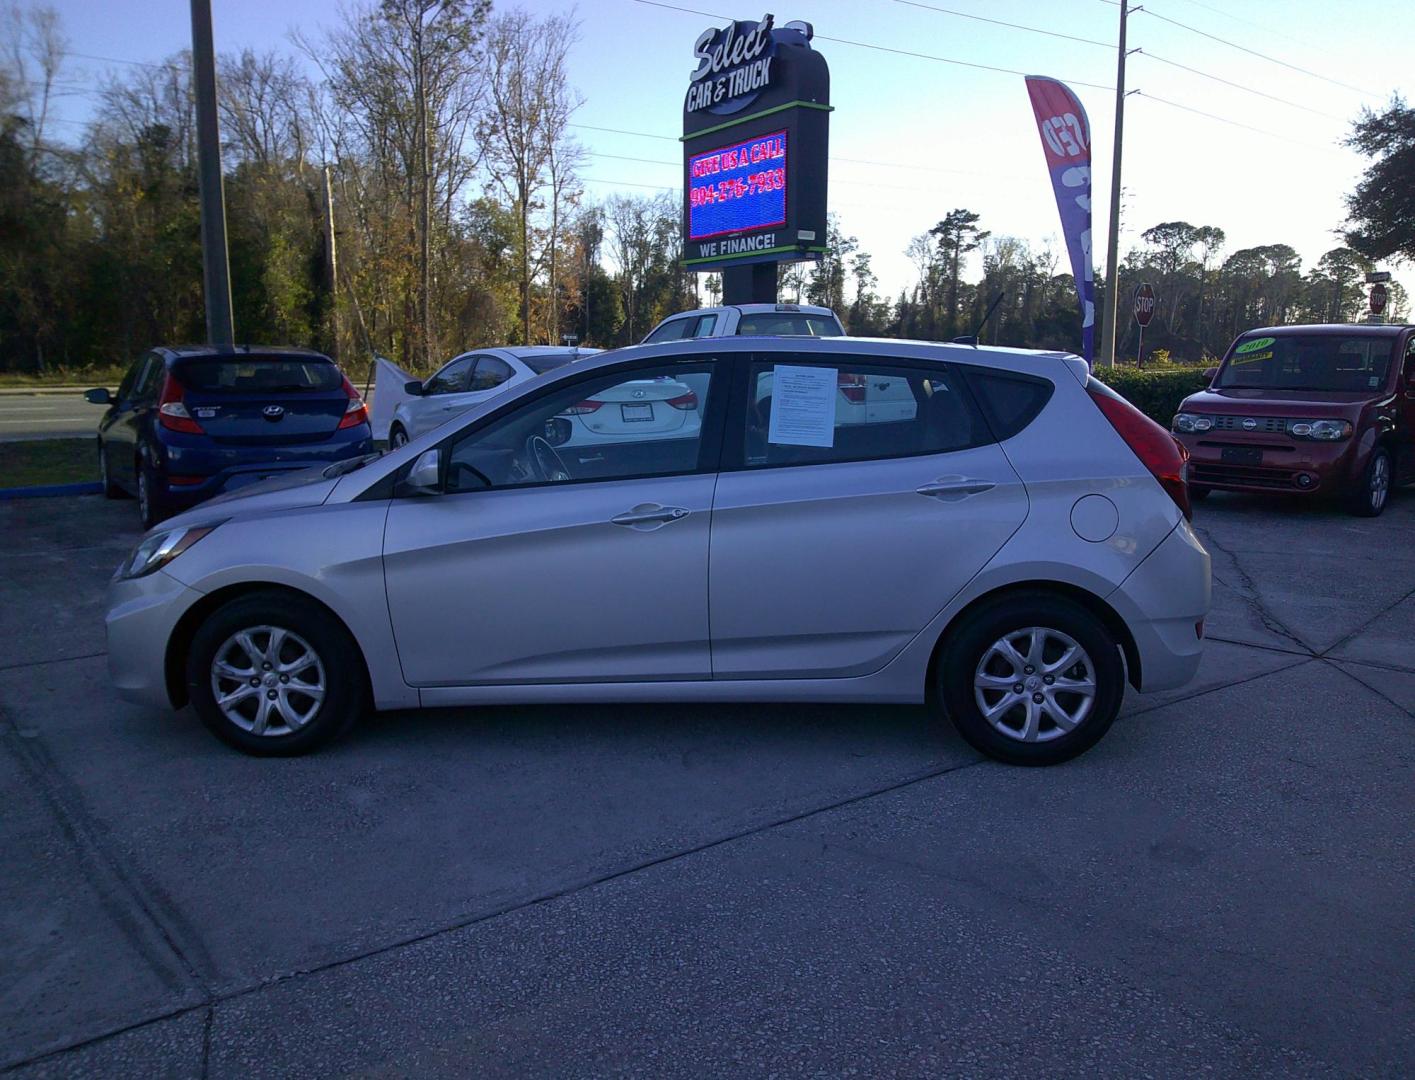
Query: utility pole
x=216, y=267
x=332, y=252
x=1112, y=268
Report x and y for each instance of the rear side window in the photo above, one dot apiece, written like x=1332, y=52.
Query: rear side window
x=672, y=330
x=789, y=323
x=256, y=375
x=1009, y=401
x=802, y=413
x=490, y=373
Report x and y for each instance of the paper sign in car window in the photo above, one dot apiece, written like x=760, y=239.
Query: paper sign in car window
x=802, y=406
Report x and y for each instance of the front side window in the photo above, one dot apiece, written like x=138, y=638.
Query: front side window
x=490, y=372
x=644, y=422
x=811, y=413
x=672, y=330
x=452, y=379
x=130, y=380
x=151, y=377
x=1337, y=363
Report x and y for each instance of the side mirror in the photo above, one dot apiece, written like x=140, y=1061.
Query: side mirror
x=99, y=397
x=1210, y=372
x=414, y=388
x=425, y=477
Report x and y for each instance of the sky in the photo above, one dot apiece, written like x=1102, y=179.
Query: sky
x=914, y=136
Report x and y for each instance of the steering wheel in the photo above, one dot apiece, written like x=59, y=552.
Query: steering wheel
x=548, y=463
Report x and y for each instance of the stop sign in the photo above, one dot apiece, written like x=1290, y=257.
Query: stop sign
x=1378, y=298
x=1144, y=304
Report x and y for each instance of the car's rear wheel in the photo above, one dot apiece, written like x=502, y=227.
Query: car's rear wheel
x=1031, y=679
x=1371, y=496
x=150, y=507
x=274, y=674
x=397, y=436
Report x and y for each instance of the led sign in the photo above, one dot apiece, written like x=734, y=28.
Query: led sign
x=737, y=188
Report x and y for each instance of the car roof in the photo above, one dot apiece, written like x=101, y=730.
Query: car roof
x=753, y=309
x=1370, y=329
x=184, y=352
x=543, y=350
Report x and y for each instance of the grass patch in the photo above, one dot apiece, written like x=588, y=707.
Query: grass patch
x=47, y=461
x=86, y=377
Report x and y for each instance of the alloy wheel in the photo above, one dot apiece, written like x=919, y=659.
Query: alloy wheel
x=268, y=680
x=1380, y=482
x=1035, y=684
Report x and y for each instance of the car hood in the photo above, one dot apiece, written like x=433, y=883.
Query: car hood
x=307, y=487
x=1310, y=403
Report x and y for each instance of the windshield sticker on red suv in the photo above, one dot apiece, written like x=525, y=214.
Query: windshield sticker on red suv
x=1254, y=345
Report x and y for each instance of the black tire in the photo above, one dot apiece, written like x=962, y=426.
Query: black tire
x=341, y=668
x=972, y=642
x=1370, y=497
x=397, y=437
x=1198, y=494
x=151, y=510
x=110, y=489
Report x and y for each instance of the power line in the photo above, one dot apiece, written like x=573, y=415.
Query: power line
x=1009, y=25
x=1238, y=86
x=1255, y=25
x=1234, y=123
x=880, y=48
x=1253, y=52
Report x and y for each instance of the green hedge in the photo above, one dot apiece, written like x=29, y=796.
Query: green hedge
x=1155, y=392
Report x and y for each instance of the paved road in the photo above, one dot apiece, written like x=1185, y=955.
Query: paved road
x=46, y=416
x=1223, y=884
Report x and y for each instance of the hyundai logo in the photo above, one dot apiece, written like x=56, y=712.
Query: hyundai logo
x=1250, y=424
x=274, y=412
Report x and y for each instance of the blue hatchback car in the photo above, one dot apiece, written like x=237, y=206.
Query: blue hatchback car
x=190, y=422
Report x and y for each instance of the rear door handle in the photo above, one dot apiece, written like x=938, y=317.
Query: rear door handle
x=953, y=488
x=650, y=515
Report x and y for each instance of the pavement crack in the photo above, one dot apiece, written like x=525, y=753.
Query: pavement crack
x=1250, y=595
x=56, y=660
x=1373, y=689
x=1366, y=625
x=1300, y=660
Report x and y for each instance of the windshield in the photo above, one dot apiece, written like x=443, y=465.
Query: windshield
x=790, y=323
x=542, y=362
x=1334, y=362
x=259, y=375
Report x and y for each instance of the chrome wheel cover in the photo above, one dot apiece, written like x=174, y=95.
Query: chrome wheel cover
x=1380, y=482
x=267, y=680
x=1035, y=684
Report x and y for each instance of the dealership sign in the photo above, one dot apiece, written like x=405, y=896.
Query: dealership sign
x=755, y=134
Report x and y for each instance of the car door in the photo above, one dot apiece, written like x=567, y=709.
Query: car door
x=436, y=404
x=484, y=377
x=115, y=432
x=836, y=539
x=130, y=415
x=526, y=569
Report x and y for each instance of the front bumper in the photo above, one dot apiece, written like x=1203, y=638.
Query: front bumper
x=1301, y=468
x=1163, y=601
x=142, y=613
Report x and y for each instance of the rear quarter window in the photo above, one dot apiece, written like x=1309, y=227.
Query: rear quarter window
x=1009, y=401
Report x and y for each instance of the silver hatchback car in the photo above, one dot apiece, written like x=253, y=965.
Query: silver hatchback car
x=1010, y=544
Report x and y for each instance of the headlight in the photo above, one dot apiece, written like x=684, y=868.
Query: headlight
x=1321, y=430
x=1188, y=422
x=159, y=549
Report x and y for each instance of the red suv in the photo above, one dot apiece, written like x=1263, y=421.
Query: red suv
x=1314, y=410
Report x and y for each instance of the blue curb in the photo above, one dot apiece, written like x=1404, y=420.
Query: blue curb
x=41, y=491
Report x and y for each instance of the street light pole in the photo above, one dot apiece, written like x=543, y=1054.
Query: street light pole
x=1112, y=269
x=216, y=270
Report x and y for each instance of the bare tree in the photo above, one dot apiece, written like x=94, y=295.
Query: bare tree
x=34, y=53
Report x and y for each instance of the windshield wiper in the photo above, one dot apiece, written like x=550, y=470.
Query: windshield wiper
x=343, y=468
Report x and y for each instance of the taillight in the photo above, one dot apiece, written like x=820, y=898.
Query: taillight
x=687, y=402
x=172, y=413
x=582, y=408
x=356, y=412
x=853, y=387
x=1157, y=449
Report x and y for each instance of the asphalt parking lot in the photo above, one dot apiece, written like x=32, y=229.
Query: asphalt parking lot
x=1226, y=883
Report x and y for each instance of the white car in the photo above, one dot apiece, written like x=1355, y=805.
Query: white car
x=748, y=320
x=660, y=408
x=470, y=379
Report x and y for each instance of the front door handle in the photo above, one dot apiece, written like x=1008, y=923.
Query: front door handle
x=953, y=488
x=649, y=516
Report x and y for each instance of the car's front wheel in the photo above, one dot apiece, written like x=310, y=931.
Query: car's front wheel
x=397, y=436
x=151, y=509
x=1373, y=492
x=274, y=674
x=1031, y=679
